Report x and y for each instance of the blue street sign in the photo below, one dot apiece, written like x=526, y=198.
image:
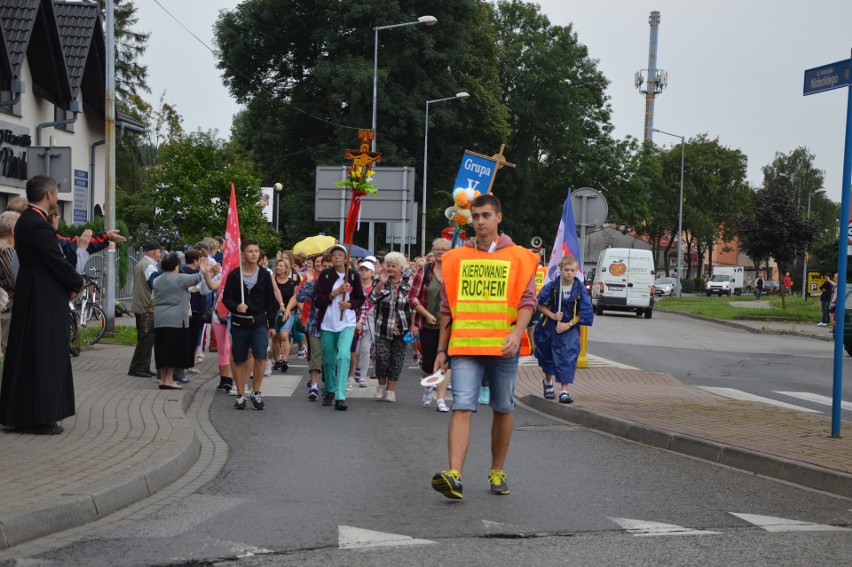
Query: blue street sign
x=827, y=77
x=476, y=172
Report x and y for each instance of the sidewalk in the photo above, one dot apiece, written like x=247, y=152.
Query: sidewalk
x=127, y=441
x=656, y=409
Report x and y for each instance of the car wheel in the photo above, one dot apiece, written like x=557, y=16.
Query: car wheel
x=709, y=294
x=848, y=347
x=648, y=313
x=639, y=312
x=730, y=293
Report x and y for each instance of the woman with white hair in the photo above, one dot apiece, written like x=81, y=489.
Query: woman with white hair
x=393, y=317
x=8, y=259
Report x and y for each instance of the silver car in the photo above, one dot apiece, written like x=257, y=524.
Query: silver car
x=666, y=286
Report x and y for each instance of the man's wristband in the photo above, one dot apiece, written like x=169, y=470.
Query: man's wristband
x=440, y=351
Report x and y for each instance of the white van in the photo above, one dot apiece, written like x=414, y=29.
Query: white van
x=624, y=281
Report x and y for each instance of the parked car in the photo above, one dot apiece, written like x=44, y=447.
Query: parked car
x=666, y=286
x=771, y=287
x=847, y=321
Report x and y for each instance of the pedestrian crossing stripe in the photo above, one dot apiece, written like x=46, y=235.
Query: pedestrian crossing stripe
x=816, y=398
x=641, y=528
x=775, y=525
x=745, y=396
x=349, y=537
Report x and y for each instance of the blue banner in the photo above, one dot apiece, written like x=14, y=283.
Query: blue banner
x=476, y=172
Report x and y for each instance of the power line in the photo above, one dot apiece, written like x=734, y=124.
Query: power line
x=262, y=87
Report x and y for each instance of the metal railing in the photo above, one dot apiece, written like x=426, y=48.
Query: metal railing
x=95, y=268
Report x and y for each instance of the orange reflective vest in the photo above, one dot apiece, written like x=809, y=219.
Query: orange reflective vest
x=484, y=290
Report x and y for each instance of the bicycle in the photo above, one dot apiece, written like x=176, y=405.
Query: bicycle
x=88, y=325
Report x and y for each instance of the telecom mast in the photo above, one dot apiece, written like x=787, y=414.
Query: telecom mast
x=651, y=81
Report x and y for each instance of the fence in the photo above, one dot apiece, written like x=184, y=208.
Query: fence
x=95, y=268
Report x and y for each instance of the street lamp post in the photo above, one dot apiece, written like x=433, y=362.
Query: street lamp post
x=805, y=258
x=680, y=208
x=460, y=95
x=425, y=20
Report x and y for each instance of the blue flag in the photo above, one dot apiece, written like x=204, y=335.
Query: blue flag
x=566, y=243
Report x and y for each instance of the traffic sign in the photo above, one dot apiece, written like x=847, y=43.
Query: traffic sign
x=828, y=77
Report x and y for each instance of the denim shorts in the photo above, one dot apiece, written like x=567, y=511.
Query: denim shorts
x=243, y=339
x=285, y=326
x=468, y=372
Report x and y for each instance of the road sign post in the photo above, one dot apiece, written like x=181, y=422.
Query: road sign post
x=817, y=80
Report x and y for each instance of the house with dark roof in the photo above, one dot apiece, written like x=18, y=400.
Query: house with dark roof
x=52, y=101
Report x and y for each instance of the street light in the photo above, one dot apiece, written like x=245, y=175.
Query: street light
x=276, y=203
x=805, y=260
x=680, y=207
x=460, y=95
x=425, y=20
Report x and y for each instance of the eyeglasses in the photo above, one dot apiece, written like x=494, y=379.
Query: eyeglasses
x=440, y=249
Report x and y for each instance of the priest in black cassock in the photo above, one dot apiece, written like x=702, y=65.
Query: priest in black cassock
x=38, y=387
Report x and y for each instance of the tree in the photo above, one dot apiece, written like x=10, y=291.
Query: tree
x=130, y=45
x=559, y=118
x=304, y=72
x=190, y=190
x=716, y=176
x=774, y=227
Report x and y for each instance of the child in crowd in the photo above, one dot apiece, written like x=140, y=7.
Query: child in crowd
x=564, y=305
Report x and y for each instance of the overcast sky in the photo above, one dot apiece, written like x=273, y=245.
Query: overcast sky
x=735, y=69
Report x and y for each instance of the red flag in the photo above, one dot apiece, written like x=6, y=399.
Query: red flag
x=231, y=249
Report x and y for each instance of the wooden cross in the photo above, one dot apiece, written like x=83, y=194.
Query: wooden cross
x=500, y=161
x=364, y=158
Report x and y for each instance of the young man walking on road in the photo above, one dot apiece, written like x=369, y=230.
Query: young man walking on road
x=487, y=302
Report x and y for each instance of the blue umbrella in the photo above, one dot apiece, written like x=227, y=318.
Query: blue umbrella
x=358, y=252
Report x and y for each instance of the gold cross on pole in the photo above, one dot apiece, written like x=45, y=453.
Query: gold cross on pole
x=500, y=161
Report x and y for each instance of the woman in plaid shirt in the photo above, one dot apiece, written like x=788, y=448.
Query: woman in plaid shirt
x=393, y=317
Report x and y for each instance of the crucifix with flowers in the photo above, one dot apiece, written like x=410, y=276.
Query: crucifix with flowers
x=359, y=180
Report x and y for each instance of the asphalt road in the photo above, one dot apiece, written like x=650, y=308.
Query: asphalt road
x=708, y=354
x=304, y=482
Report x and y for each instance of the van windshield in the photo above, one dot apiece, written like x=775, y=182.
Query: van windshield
x=720, y=278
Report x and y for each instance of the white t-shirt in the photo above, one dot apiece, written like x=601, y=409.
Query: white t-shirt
x=332, y=321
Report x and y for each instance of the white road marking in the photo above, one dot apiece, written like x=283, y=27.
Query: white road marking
x=773, y=524
x=281, y=385
x=745, y=396
x=643, y=528
x=816, y=398
x=500, y=528
x=359, y=538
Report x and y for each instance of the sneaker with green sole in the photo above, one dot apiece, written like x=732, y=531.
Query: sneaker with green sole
x=497, y=480
x=449, y=484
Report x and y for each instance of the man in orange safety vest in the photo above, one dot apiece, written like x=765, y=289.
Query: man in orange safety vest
x=487, y=301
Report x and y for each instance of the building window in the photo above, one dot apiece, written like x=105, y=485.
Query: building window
x=14, y=110
x=62, y=114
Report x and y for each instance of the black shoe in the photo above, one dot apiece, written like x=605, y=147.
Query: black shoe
x=277, y=365
x=240, y=403
x=340, y=405
x=313, y=394
x=183, y=380
x=140, y=374
x=225, y=384
x=548, y=390
x=327, y=399
x=283, y=366
x=44, y=429
x=565, y=398
x=150, y=374
x=257, y=400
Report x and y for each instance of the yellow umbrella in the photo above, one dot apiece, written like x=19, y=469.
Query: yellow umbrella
x=314, y=245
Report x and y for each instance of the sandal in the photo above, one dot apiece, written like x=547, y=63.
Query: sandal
x=548, y=390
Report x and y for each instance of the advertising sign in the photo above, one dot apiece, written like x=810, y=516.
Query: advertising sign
x=814, y=281
x=81, y=196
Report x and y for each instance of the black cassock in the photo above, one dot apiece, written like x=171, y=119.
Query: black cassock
x=38, y=387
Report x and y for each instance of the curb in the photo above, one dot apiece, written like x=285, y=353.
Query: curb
x=811, y=476
x=742, y=327
x=167, y=464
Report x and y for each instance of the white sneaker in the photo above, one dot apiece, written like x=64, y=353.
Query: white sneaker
x=390, y=396
x=441, y=406
x=380, y=393
x=268, y=370
x=362, y=383
x=427, y=396
x=820, y=324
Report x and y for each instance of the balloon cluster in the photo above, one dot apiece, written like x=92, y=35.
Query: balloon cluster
x=459, y=213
